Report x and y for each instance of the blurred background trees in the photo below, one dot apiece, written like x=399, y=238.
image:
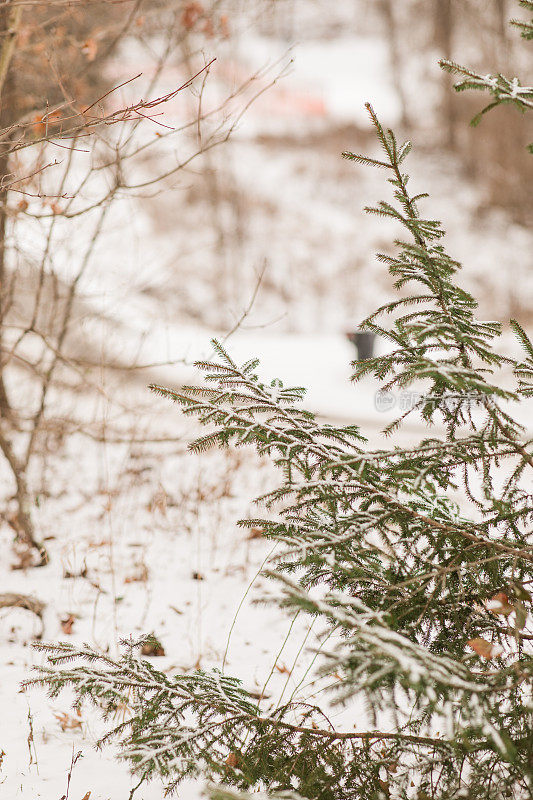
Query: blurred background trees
x=53, y=64
x=73, y=146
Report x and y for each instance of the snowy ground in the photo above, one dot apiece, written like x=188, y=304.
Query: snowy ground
x=142, y=538
x=128, y=525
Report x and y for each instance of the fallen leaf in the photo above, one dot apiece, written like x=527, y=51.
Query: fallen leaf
x=81, y=574
x=485, y=649
x=140, y=576
x=67, y=722
x=499, y=604
x=102, y=543
x=255, y=533
x=232, y=760
x=67, y=624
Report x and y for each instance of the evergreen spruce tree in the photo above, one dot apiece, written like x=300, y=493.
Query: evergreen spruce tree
x=425, y=601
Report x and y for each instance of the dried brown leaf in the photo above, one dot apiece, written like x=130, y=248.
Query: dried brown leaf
x=485, y=649
x=67, y=624
x=499, y=604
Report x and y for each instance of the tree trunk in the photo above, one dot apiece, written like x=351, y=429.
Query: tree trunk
x=21, y=522
x=387, y=10
x=504, y=41
x=501, y=19
x=444, y=39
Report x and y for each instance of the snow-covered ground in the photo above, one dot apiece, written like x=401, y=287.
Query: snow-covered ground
x=138, y=523
x=143, y=538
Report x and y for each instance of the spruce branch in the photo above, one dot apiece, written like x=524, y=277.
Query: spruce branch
x=425, y=598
